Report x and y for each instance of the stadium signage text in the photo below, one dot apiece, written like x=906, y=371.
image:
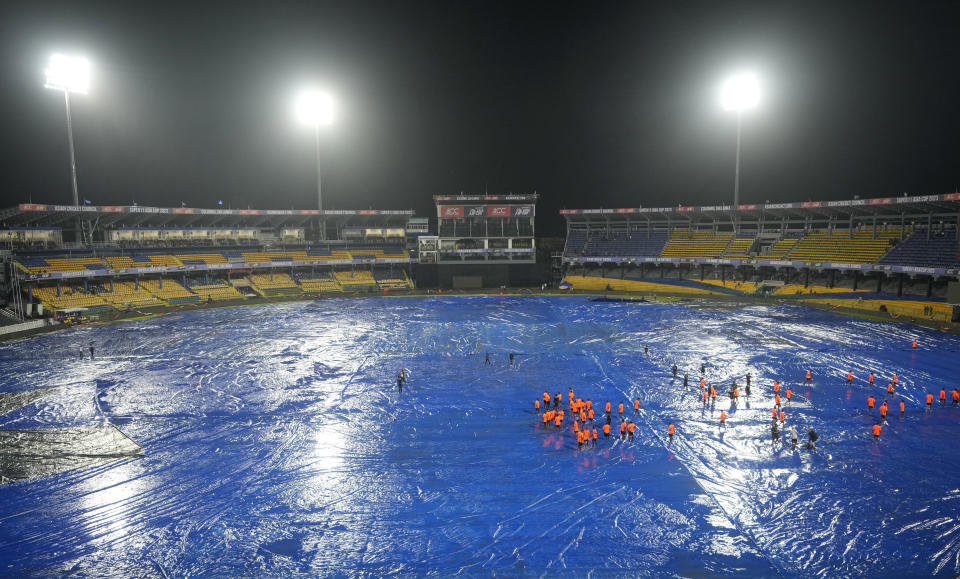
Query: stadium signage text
x=878, y=201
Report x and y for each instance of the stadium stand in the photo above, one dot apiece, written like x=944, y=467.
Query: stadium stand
x=391, y=280
x=940, y=250
x=64, y=264
x=860, y=247
x=127, y=294
x=219, y=290
x=317, y=283
x=70, y=297
x=355, y=280
x=696, y=244
x=782, y=247
x=172, y=292
x=281, y=284
x=739, y=248
x=200, y=258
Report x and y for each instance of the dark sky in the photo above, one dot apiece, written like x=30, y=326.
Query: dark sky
x=589, y=103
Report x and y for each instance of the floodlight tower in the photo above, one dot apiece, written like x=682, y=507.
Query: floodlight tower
x=739, y=93
x=315, y=108
x=70, y=74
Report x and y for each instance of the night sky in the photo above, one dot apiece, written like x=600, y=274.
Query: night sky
x=588, y=103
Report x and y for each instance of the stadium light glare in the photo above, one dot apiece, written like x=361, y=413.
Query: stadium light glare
x=740, y=92
x=315, y=108
x=68, y=73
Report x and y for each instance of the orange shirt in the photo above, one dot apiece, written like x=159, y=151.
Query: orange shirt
x=583, y=416
x=956, y=395
x=778, y=399
x=670, y=430
x=902, y=408
x=576, y=426
x=782, y=416
x=590, y=414
x=883, y=410
x=894, y=378
x=774, y=413
x=636, y=404
x=608, y=407
x=929, y=398
x=631, y=427
x=545, y=419
x=736, y=393
x=789, y=393
x=703, y=383
x=579, y=437
x=606, y=429
x=594, y=433
x=556, y=421
x=943, y=394
x=620, y=407
x=871, y=377
x=723, y=416
x=870, y=402
x=808, y=374
x=623, y=427
x=589, y=405
x=890, y=387
x=536, y=404
x=546, y=398
x=876, y=430
x=776, y=386
x=713, y=392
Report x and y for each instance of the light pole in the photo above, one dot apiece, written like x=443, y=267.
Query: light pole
x=739, y=93
x=70, y=74
x=315, y=109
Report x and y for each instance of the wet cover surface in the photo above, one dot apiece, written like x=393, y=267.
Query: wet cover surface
x=274, y=442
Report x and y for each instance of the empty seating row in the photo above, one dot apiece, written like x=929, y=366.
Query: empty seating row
x=939, y=249
x=696, y=244
x=861, y=247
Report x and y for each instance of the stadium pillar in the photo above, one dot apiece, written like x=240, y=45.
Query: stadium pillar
x=30, y=293
x=806, y=278
x=879, y=282
x=900, y=286
x=136, y=284
x=856, y=279
x=929, y=286
x=703, y=269
x=833, y=278
x=111, y=285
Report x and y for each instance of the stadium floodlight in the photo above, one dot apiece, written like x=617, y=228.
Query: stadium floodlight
x=739, y=93
x=315, y=108
x=70, y=74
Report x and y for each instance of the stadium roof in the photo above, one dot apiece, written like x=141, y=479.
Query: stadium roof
x=943, y=204
x=35, y=214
